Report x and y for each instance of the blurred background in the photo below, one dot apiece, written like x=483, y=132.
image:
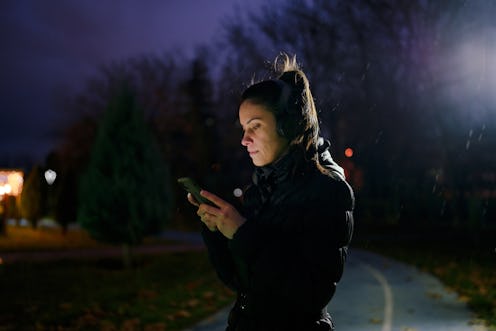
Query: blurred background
x=405, y=91
x=104, y=104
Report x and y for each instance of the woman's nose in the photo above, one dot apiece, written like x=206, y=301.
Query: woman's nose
x=246, y=139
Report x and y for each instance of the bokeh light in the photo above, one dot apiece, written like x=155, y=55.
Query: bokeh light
x=11, y=182
x=238, y=192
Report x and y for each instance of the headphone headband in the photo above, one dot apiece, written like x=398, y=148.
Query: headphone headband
x=285, y=94
x=287, y=119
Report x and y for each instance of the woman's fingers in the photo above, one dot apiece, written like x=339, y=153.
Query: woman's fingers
x=215, y=199
x=210, y=225
x=192, y=200
x=224, y=217
x=207, y=219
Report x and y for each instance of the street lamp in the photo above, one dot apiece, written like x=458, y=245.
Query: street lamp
x=50, y=176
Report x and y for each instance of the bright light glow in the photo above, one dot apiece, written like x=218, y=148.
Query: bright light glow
x=50, y=176
x=11, y=182
x=478, y=65
x=348, y=152
x=7, y=188
x=469, y=73
x=238, y=192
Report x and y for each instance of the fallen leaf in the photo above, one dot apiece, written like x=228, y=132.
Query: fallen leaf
x=375, y=320
x=208, y=295
x=193, y=303
x=155, y=327
x=65, y=306
x=434, y=295
x=131, y=325
x=182, y=313
x=107, y=326
x=192, y=285
x=88, y=319
x=147, y=294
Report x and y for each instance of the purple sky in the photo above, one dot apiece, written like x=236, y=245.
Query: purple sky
x=49, y=47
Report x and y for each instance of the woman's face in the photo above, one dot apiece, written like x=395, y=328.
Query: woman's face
x=260, y=134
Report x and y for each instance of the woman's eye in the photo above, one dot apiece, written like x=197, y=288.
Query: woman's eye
x=256, y=126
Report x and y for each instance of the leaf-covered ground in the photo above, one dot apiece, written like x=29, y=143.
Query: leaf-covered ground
x=167, y=292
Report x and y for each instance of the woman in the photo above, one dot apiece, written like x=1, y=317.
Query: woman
x=284, y=252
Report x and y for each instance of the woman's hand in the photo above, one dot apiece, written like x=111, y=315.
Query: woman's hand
x=224, y=217
x=209, y=224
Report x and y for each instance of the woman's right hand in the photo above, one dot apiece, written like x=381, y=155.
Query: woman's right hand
x=209, y=224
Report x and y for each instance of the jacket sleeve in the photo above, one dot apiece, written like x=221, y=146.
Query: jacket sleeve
x=220, y=257
x=299, y=268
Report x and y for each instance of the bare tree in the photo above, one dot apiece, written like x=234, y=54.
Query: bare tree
x=378, y=72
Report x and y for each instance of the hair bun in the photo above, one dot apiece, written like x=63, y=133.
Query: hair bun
x=295, y=79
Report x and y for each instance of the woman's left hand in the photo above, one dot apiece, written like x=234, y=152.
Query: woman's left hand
x=226, y=217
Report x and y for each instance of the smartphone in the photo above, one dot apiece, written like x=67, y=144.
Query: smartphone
x=192, y=187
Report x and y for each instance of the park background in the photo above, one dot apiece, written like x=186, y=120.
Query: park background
x=404, y=90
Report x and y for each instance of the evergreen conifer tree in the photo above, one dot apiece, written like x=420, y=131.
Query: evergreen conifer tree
x=31, y=196
x=125, y=193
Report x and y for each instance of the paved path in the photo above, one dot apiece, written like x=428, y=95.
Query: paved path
x=380, y=294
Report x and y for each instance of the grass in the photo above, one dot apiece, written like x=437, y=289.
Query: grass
x=28, y=239
x=20, y=239
x=174, y=291
x=464, y=265
x=170, y=291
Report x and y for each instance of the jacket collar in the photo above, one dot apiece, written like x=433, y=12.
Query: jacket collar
x=275, y=172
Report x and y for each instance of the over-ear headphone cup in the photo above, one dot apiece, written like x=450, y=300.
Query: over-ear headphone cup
x=280, y=129
x=287, y=126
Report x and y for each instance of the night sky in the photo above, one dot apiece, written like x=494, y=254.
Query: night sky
x=49, y=48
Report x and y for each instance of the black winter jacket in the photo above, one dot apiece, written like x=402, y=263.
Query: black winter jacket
x=285, y=260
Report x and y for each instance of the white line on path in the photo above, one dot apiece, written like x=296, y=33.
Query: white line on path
x=388, y=296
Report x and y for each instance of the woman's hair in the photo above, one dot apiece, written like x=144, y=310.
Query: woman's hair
x=289, y=98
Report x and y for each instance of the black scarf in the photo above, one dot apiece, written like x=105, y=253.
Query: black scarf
x=266, y=178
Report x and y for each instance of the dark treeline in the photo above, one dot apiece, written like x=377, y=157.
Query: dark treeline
x=406, y=84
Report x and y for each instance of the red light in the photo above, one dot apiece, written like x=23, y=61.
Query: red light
x=348, y=152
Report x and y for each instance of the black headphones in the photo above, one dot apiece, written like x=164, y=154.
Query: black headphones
x=288, y=119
